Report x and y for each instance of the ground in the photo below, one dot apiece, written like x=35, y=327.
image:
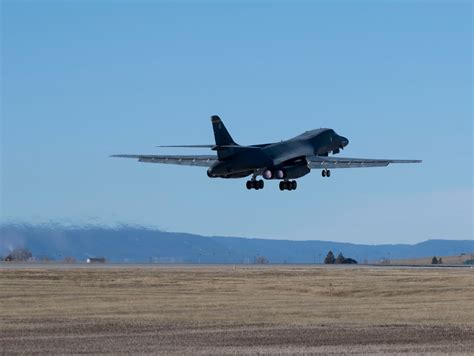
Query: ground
x=426, y=261
x=236, y=310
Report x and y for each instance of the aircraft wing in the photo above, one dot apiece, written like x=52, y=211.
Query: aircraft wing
x=320, y=162
x=199, y=161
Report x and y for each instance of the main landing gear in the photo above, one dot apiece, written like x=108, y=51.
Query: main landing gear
x=255, y=184
x=259, y=184
x=288, y=185
x=326, y=173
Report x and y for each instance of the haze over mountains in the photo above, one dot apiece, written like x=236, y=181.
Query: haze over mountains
x=140, y=244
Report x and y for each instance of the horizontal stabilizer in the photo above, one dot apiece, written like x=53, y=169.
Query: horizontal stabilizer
x=213, y=147
x=238, y=147
x=187, y=146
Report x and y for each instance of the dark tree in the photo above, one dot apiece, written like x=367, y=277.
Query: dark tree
x=329, y=260
x=440, y=261
x=350, y=261
x=340, y=259
x=434, y=261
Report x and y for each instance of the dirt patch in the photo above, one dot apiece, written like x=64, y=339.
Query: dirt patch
x=117, y=336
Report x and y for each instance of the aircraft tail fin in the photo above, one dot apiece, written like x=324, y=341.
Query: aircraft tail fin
x=221, y=134
x=223, y=138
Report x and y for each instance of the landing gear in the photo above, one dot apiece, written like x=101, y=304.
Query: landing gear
x=255, y=184
x=288, y=185
x=326, y=173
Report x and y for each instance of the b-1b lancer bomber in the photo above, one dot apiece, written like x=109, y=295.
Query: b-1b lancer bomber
x=284, y=161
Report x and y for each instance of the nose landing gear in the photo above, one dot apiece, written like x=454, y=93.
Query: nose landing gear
x=326, y=173
x=288, y=185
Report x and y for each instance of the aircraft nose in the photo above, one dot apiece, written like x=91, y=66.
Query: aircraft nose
x=344, y=141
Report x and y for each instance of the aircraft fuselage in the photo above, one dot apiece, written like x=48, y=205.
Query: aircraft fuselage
x=285, y=158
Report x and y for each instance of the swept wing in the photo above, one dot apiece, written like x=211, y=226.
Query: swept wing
x=199, y=161
x=320, y=162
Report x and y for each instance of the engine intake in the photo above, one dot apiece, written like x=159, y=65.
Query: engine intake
x=267, y=174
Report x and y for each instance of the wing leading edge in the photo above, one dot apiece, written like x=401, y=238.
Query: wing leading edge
x=198, y=161
x=314, y=162
x=319, y=162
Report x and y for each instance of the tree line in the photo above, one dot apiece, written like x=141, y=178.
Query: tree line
x=340, y=259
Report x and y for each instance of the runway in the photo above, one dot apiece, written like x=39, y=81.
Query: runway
x=108, y=265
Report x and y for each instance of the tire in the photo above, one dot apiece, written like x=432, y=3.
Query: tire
x=261, y=184
x=328, y=173
x=323, y=173
x=294, y=185
x=249, y=185
x=282, y=186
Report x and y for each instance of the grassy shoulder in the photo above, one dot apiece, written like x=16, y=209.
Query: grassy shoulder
x=227, y=295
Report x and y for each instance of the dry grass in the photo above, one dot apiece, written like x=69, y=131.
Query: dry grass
x=46, y=303
x=447, y=260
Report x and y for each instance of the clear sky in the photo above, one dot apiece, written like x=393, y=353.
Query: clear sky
x=83, y=80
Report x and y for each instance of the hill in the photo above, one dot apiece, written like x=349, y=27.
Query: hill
x=140, y=244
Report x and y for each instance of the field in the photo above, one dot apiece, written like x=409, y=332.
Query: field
x=447, y=260
x=236, y=310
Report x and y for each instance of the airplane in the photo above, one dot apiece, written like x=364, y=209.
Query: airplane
x=284, y=161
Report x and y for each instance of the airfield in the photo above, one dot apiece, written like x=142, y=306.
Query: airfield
x=154, y=309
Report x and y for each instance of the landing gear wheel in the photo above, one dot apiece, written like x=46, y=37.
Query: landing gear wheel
x=328, y=173
x=255, y=184
x=323, y=173
x=288, y=185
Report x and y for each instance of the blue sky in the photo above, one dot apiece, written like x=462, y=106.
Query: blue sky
x=83, y=80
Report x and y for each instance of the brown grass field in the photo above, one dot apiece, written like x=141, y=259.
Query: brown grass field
x=426, y=261
x=241, y=310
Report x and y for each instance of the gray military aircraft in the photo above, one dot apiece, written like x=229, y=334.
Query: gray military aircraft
x=284, y=161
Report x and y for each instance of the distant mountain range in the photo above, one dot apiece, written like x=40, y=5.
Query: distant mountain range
x=139, y=244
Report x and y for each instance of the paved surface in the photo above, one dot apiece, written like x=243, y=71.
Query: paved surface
x=73, y=266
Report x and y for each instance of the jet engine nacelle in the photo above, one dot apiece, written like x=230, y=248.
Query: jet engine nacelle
x=294, y=172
